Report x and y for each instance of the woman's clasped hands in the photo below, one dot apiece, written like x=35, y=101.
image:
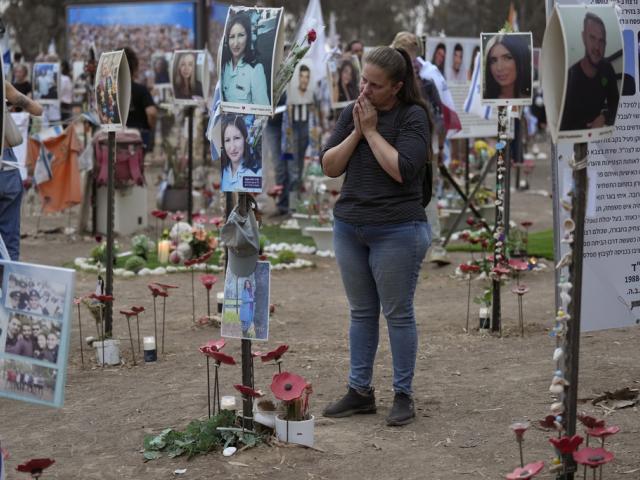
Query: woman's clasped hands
x=365, y=116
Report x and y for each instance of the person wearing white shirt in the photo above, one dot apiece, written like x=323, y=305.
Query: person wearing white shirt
x=66, y=91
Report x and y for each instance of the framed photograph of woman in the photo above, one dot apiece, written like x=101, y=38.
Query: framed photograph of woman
x=507, y=68
x=251, y=52
x=589, y=67
x=245, y=311
x=160, y=62
x=35, y=326
x=189, y=76
x=344, y=78
x=113, y=90
x=241, y=155
x=46, y=82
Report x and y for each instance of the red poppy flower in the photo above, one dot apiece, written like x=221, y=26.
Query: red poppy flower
x=526, y=224
x=248, y=391
x=35, y=465
x=566, y=444
x=594, y=457
x=288, y=386
x=127, y=313
x=77, y=300
x=603, y=432
x=548, y=422
x=205, y=257
x=215, y=345
x=208, y=280
x=98, y=238
x=485, y=243
x=274, y=354
x=190, y=262
x=470, y=221
x=102, y=298
x=161, y=214
x=590, y=422
x=465, y=236
x=165, y=286
x=520, y=289
x=177, y=217
x=519, y=428
x=137, y=309
x=467, y=268
x=519, y=265
x=311, y=36
x=499, y=270
x=217, y=221
x=220, y=357
x=474, y=240
x=216, y=185
x=528, y=471
x=157, y=291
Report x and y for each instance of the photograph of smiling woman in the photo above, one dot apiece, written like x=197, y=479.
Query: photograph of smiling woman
x=507, y=68
x=240, y=162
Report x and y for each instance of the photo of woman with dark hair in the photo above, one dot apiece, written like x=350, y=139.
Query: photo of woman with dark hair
x=186, y=85
x=345, y=81
x=241, y=164
x=247, y=307
x=243, y=77
x=507, y=66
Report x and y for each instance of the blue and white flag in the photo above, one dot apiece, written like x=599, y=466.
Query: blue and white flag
x=6, y=57
x=213, y=129
x=472, y=103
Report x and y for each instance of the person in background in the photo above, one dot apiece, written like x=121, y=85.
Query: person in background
x=356, y=47
x=21, y=79
x=457, y=72
x=143, y=112
x=439, y=56
x=66, y=91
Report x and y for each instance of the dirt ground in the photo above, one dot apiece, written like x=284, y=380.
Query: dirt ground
x=468, y=387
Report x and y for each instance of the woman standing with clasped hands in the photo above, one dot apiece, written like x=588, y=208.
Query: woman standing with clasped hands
x=381, y=232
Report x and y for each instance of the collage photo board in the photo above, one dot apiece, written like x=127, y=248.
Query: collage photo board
x=248, y=60
x=113, y=90
x=582, y=107
x=35, y=327
x=189, y=77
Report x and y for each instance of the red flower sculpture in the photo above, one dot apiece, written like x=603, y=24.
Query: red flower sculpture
x=311, y=36
x=102, y=298
x=566, y=445
x=215, y=345
x=593, y=457
x=274, y=354
x=205, y=256
x=603, y=432
x=519, y=428
x=520, y=289
x=161, y=214
x=500, y=270
x=288, y=386
x=208, y=281
x=548, y=422
x=98, y=238
x=248, y=391
x=165, y=286
x=528, y=471
x=526, y=224
x=157, y=291
x=177, y=217
x=217, y=221
x=35, y=465
x=190, y=262
x=137, y=309
x=470, y=221
x=590, y=422
x=128, y=313
x=77, y=300
x=216, y=185
x=467, y=268
x=220, y=357
x=519, y=265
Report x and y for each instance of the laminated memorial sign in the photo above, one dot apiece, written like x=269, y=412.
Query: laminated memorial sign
x=300, y=88
x=582, y=70
x=35, y=315
x=113, y=90
x=46, y=82
x=241, y=153
x=344, y=78
x=507, y=68
x=189, y=76
x=249, y=58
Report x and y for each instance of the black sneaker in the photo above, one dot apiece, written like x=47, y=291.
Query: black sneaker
x=402, y=412
x=352, y=403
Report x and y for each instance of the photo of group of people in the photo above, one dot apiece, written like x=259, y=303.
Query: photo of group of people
x=34, y=331
x=245, y=312
x=453, y=56
x=241, y=155
x=189, y=76
x=113, y=87
x=583, y=86
x=344, y=74
x=250, y=42
x=45, y=82
x=507, y=69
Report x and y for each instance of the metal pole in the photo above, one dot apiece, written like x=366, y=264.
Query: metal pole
x=189, y=113
x=108, y=317
x=467, y=152
x=572, y=345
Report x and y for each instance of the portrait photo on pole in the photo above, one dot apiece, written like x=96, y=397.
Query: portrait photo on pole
x=113, y=90
x=189, y=76
x=245, y=311
x=300, y=88
x=344, y=78
x=250, y=55
x=45, y=82
x=453, y=56
x=507, y=68
x=241, y=155
x=35, y=315
x=583, y=68
x=160, y=63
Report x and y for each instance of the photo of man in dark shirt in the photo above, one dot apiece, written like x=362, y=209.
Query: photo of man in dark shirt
x=592, y=88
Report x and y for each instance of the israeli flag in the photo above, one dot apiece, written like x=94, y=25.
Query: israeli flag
x=6, y=62
x=472, y=103
x=213, y=129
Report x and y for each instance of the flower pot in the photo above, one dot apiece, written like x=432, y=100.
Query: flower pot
x=323, y=237
x=485, y=318
x=111, y=352
x=304, y=220
x=300, y=432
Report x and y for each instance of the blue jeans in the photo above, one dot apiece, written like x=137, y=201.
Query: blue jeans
x=10, y=199
x=289, y=170
x=380, y=266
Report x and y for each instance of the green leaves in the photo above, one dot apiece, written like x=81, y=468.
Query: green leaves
x=199, y=437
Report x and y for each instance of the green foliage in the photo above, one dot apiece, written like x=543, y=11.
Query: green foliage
x=276, y=234
x=99, y=253
x=286, y=256
x=135, y=263
x=540, y=244
x=199, y=437
x=141, y=246
x=485, y=298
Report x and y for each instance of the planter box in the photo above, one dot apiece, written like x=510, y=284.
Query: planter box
x=323, y=237
x=300, y=433
x=111, y=352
